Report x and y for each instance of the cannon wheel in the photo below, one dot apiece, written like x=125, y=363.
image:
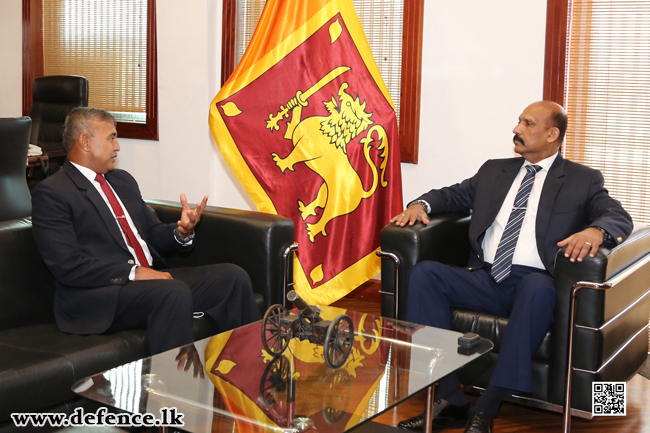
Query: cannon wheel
x=272, y=339
x=338, y=341
x=275, y=379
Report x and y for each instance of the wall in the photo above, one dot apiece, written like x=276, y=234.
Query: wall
x=11, y=48
x=483, y=62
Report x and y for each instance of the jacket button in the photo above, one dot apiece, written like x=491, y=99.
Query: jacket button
x=469, y=269
x=619, y=239
x=131, y=262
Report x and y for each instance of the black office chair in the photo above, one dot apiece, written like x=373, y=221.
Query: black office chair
x=15, y=199
x=605, y=340
x=53, y=98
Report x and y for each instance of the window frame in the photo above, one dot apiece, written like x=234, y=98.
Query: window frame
x=557, y=21
x=33, y=68
x=411, y=83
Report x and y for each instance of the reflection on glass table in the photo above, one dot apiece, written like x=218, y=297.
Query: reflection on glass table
x=230, y=382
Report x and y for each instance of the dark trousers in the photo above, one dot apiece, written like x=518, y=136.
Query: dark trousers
x=527, y=297
x=165, y=307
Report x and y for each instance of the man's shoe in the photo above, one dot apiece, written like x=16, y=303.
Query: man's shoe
x=441, y=409
x=413, y=423
x=479, y=423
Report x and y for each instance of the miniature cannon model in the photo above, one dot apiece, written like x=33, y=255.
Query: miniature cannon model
x=279, y=326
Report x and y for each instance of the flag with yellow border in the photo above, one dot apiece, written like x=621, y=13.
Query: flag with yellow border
x=308, y=127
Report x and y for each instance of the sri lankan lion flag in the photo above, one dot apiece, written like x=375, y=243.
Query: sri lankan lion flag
x=308, y=127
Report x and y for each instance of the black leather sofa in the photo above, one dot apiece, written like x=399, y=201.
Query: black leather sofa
x=39, y=364
x=611, y=325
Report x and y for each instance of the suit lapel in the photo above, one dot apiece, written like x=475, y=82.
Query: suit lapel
x=85, y=188
x=553, y=183
x=502, y=185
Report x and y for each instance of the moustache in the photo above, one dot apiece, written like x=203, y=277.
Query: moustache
x=519, y=139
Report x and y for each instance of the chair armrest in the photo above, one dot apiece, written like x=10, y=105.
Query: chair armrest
x=255, y=241
x=594, y=307
x=609, y=262
x=444, y=239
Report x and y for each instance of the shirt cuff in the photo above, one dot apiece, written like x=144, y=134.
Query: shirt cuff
x=186, y=244
x=132, y=274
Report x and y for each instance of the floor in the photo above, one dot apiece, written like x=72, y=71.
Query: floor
x=514, y=418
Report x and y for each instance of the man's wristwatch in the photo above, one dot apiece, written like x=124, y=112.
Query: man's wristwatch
x=180, y=239
x=606, y=236
x=422, y=203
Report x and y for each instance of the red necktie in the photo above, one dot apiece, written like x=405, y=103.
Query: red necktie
x=121, y=219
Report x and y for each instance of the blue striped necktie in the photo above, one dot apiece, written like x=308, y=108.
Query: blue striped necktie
x=506, y=249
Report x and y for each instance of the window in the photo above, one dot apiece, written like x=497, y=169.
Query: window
x=110, y=43
x=603, y=80
x=394, y=32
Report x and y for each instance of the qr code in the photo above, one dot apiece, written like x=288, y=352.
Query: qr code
x=608, y=398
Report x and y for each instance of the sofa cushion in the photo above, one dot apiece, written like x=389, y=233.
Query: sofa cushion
x=86, y=354
x=32, y=379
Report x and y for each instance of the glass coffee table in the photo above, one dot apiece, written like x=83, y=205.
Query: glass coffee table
x=233, y=384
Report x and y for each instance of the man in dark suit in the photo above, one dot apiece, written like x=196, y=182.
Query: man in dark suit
x=523, y=209
x=103, y=245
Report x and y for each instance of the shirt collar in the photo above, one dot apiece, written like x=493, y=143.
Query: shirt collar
x=87, y=172
x=544, y=163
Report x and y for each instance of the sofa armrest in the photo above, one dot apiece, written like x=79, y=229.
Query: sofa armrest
x=255, y=241
x=444, y=239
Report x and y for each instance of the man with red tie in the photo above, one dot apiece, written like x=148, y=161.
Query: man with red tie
x=103, y=245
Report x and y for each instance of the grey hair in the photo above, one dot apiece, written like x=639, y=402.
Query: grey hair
x=78, y=122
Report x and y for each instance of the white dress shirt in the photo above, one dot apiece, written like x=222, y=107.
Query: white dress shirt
x=526, y=250
x=90, y=175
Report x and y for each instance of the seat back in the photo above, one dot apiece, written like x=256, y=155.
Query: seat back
x=14, y=193
x=54, y=97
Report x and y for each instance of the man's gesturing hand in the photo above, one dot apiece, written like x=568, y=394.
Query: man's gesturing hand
x=189, y=217
x=582, y=243
x=411, y=215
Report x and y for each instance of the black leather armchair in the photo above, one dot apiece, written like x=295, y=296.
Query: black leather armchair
x=39, y=364
x=15, y=199
x=53, y=97
x=611, y=321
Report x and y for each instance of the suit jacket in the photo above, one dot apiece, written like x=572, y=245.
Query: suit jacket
x=573, y=198
x=83, y=246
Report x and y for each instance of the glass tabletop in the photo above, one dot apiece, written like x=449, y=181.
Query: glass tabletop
x=232, y=382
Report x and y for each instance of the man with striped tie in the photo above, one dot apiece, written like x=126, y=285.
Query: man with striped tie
x=523, y=210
